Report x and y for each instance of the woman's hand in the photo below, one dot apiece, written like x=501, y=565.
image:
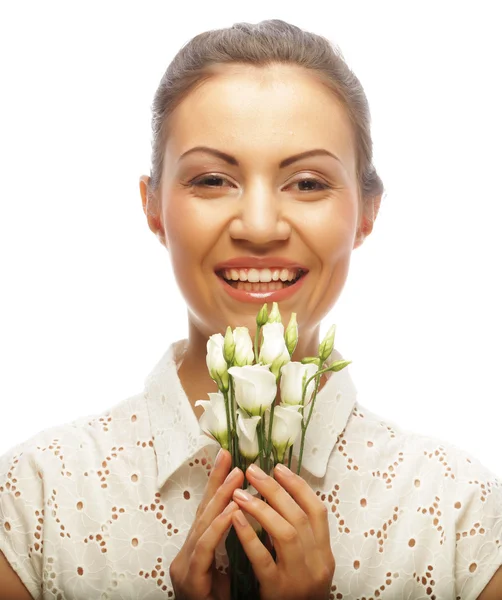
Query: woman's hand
x=297, y=521
x=193, y=573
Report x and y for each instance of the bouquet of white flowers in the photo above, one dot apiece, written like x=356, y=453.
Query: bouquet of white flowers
x=243, y=416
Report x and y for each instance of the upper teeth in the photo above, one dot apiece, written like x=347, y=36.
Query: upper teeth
x=254, y=275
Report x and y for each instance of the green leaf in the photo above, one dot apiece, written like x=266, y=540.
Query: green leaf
x=309, y=359
x=338, y=365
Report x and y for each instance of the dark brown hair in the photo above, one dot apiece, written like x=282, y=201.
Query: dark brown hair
x=262, y=44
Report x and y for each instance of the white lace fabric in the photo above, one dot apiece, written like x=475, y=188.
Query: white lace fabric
x=98, y=508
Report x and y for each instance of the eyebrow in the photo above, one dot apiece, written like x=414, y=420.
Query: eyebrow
x=284, y=163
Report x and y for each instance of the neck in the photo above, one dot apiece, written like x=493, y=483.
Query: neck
x=195, y=377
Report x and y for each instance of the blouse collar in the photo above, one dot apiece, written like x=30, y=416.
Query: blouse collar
x=177, y=436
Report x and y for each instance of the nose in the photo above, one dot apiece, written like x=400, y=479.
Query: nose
x=259, y=218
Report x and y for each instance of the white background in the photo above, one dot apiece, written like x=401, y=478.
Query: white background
x=88, y=301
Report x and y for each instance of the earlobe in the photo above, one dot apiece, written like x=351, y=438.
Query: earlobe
x=144, y=182
x=369, y=216
x=151, y=209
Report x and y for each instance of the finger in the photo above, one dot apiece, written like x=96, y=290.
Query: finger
x=215, y=506
x=286, y=537
x=218, y=473
x=220, y=470
x=202, y=557
x=307, y=499
x=286, y=506
x=260, y=558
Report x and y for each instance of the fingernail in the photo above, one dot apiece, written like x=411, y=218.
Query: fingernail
x=242, y=495
x=231, y=475
x=219, y=456
x=257, y=472
x=283, y=470
x=241, y=519
x=229, y=508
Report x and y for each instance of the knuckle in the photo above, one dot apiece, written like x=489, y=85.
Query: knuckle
x=194, y=531
x=201, y=547
x=300, y=486
x=302, y=519
x=326, y=575
x=174, y=571
x=331, y=566
x=290, y=535
x=267, y=564
x=276, y=490
x=275, y=495
x=200, y=509
x=322, y=510
x=299, y=481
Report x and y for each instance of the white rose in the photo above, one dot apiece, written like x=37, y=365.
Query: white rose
x=273, y=350
x=286, y=427
x=247, y=435
x=255, y=388
x=214, y=419
x=244, y=353
x=292, y=382
x=215, y=361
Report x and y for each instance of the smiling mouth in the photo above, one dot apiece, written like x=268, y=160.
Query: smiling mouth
x=261, y=286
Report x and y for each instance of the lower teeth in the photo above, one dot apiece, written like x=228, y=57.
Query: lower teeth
x=260, y=286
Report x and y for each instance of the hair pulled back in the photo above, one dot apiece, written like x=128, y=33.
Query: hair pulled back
x=262, y=44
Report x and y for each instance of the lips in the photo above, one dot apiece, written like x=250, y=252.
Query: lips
x=263, y=295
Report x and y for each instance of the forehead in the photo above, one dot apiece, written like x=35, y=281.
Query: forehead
x=263, y=112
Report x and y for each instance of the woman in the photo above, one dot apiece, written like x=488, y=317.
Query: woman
x=261, y=169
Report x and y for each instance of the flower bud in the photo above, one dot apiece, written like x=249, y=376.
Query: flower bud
x=262, y=316
x=326, y=346
x=273, y=350
x=215, y=361
x=307, y=360
x=275, y=315
x=229, y=346
x=244, y=353
x=292, y=380
x=338, y=365
x=291, y=335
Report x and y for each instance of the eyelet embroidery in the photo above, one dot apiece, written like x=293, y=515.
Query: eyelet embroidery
x=82, y=501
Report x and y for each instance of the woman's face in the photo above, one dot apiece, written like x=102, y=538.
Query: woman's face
x=209, y=210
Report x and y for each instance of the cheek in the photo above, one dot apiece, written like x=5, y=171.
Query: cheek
x=330, y=231
x=191, y=230
x=188, y=228
x=187, y=242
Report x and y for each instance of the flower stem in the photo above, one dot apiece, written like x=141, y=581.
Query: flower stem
x=290, y=456
x=230, y=432
x=256, y=343
x=235, y=443
x=243, y=466
x=260, y=430
x=305, y=425
x=269, y=440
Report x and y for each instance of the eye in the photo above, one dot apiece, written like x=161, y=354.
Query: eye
x=312, y=183
x=207, y=181
x=215, y=181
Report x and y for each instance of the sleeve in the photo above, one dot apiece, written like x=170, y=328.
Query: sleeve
x=22, y=515
x=476, y=502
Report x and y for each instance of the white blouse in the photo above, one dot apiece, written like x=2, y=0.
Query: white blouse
x=98, y=508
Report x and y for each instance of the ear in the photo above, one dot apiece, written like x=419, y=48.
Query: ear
x=367, y=220
x=152, y=209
